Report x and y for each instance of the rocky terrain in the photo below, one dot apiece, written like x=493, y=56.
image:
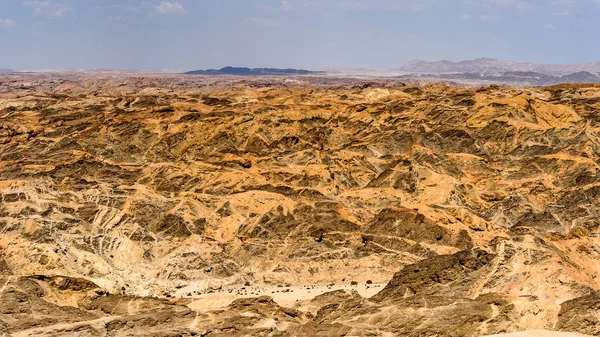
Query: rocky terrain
x=188, y=206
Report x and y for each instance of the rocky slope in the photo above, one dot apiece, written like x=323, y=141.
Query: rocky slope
x=125, y=199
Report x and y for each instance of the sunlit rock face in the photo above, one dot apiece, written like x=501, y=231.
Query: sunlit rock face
x=305, y=206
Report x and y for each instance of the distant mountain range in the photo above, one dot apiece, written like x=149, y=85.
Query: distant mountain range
x=486, y=70
x=493, y=66
x=509, y=77
x=242, y=71
x=479, y=71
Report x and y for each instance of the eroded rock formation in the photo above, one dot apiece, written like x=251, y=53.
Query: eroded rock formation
x=476, y=206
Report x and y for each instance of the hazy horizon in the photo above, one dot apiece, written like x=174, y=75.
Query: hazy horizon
x=309, y=34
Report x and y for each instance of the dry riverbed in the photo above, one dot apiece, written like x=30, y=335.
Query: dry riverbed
x=285, y=296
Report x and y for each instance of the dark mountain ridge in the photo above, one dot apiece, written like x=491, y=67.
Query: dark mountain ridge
x=243, y=71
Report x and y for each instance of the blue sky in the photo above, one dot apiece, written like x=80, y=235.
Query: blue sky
x=195, y=34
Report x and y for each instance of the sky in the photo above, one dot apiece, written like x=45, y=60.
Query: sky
x=174, y=35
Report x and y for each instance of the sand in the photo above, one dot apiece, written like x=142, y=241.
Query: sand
x=284, y=296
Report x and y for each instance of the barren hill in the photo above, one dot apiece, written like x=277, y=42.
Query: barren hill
x=178, y=206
